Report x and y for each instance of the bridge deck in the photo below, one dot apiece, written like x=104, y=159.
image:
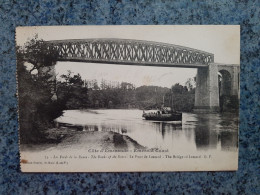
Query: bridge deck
x=130, y=52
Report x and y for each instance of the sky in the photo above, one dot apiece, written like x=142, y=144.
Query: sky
x=221, y=40
x=138, y=75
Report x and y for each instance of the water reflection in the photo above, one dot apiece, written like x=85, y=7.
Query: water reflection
x=205, y=138
x=197, y=131
x=166, y=128
x=214, y=129
x=229, y=140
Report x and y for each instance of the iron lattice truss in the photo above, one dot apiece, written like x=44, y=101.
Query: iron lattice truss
x=124, y=51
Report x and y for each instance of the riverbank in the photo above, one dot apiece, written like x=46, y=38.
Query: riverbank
x=65, y=138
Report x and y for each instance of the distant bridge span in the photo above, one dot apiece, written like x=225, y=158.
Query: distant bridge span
x=129, y=52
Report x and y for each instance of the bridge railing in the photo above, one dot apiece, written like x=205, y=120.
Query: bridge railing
x=127, y=51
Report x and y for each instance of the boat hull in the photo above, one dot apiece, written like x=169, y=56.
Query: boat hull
x=168, y=117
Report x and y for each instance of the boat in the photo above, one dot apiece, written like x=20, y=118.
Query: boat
x=163, y=114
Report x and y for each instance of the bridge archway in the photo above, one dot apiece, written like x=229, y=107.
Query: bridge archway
x=228, y=87
x=224, y=83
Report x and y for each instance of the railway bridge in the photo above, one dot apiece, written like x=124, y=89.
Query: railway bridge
x=213, y=80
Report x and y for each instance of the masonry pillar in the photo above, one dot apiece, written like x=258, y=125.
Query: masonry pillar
x=235, y=81
x=207, y=90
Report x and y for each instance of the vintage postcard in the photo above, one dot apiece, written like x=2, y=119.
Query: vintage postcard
x=128, y=98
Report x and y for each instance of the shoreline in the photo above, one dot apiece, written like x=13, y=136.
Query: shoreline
x=66, y=138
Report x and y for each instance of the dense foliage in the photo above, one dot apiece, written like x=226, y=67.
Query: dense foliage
x=37, y=108
x=76, y=94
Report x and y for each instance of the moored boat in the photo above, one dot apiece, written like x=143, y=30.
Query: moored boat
x=163, y=114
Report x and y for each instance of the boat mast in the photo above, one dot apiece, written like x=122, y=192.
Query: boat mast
x=172, y=102
x=163, y=101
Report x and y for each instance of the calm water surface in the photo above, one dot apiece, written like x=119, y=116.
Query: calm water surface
x=198, y=132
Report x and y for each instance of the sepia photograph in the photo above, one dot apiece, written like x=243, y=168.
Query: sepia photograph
x=137, y=98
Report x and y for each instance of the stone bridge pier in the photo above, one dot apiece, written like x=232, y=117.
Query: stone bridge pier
x=213, y=83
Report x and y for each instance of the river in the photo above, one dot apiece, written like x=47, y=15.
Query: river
x=197, y=132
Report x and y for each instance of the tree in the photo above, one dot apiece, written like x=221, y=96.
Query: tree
x=179, y=98
x=38, y=53
x=191, y=84
x=178, y=89
x=37, y=110
x=72, y=92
